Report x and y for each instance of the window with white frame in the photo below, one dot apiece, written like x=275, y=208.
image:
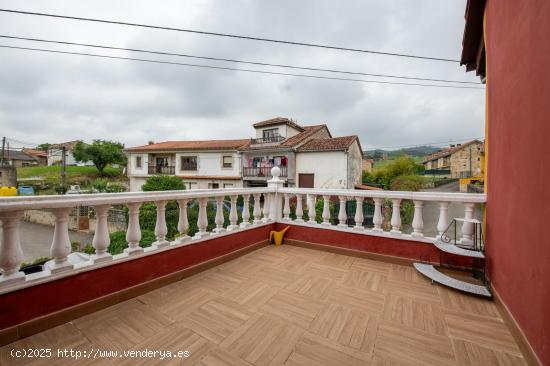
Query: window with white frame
x=228, y=185
x=213, y=185
x=139, y=162
x=188, y=163
x=227, y=161
x=190, y=185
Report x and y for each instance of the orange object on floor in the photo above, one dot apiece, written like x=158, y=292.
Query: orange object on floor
x=277, y=236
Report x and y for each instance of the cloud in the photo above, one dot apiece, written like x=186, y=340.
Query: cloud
x=53, y=98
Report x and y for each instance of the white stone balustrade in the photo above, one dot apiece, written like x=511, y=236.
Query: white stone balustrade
x=101, y=239
x=276, y=208
x=160, y=226
x=219, y=220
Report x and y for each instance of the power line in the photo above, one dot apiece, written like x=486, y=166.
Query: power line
x=234, y=60
x=250, y=38
x=236, y=69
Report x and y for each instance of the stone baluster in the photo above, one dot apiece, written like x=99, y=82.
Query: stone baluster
x=133, y=234
x=219, y=220
x=359, y=213
x=377, y=219
x=160, y=225
x=326, y=210
x=468, y=227
x=183, y=222
x=202, y=220
x=233, y=216
x=311, y=209
x=266, y=207
x=418, y=222
x=11, y=254
x=396, y=217
x=342, y=215
x=286, y=209
x=101, y=239
x=246, y=211
x=257, y=209
x=61, y=243
x=443, y=222
x=299, y=209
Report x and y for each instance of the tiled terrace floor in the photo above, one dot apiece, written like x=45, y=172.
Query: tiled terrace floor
x=293, y=306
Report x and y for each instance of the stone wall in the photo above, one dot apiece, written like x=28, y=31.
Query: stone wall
x=466, y=162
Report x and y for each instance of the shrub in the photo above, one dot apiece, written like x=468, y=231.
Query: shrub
x=119, y=243
x=100, y=185
x=407, y=183
x=403, y=165
x=163, y=183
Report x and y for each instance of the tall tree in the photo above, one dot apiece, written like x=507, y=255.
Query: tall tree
x=101, y=153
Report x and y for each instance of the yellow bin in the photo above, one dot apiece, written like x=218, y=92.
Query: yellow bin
x=8, y=191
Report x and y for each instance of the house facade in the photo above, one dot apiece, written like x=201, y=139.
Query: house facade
x=457, y=161
x=308, y=156
x=55, y=154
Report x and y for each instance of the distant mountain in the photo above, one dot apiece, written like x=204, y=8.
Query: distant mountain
x=412, y=151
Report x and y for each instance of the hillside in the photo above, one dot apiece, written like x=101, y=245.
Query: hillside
x=417, y=151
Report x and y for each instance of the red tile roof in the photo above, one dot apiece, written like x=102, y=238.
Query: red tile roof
x=308, y=131
x=35, y=153
x=330, y=144
x=279, y=121
x=192, y=145
x=448, y=151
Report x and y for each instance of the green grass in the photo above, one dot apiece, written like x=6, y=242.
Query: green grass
x=84, y=176
x=48, y=172
x=383, y=163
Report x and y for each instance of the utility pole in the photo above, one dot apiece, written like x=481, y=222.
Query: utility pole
x=3, y=150
x=63, y=166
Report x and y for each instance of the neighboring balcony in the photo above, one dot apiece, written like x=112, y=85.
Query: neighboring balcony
x=275, y=139
x=164, y=170
x=263, y=172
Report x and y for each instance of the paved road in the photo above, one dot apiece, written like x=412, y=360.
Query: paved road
x=36, y=240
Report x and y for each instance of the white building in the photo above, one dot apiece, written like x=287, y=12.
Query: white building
x=55, y=154
x=308, y=157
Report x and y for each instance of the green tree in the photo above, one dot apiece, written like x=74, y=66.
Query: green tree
x=101, y=153
x=163, y=183
x=43, y=147
x=403, y=165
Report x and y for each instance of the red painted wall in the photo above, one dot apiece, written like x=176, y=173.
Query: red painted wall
x=518, y=185
x=29, y=303
x=373, y=244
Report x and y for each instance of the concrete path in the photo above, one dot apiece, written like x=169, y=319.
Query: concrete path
x=36, y=240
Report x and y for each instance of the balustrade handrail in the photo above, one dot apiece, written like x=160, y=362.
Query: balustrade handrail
x=405, y=195
x=57, y=201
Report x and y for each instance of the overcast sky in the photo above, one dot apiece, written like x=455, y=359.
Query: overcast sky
x=55, y=98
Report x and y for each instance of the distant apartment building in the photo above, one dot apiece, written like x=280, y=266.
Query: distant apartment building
x=308, y=156
x=457, y=161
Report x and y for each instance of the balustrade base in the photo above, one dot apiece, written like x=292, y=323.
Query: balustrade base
x=359, y=228
x=466, y=242
x=217, y=231
x=57, y=267
x=99, y=258
x=244, y=224
x=417, y=235
x=161, y=244
x=181, y=239
x=12, y=278
x=343, y=226
x=133, y=251
x=396, y=232
x=233, y=227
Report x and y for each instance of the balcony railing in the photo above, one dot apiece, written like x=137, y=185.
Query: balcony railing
x=262, y=172
x=268, y=140
x=276, y=208
x=157, y=169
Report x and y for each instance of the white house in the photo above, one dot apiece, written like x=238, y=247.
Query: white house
x=308, y=157
x=55, y=154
